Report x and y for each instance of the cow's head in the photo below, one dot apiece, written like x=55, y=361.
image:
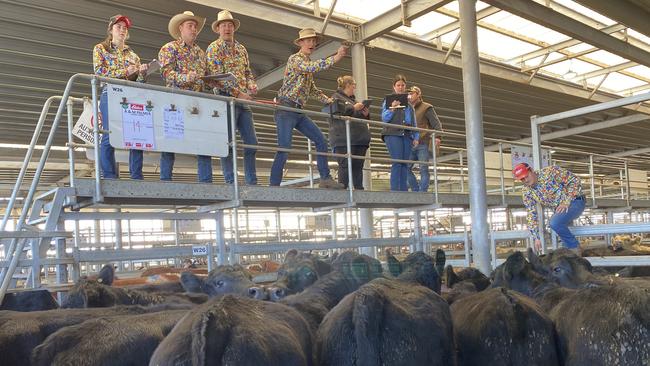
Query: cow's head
x=223, y=280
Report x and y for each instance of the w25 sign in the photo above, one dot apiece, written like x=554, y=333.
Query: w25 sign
x=199, y=250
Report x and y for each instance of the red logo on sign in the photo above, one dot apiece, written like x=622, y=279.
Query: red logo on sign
x=137, y=144
x=128, y=144
x=137, y=107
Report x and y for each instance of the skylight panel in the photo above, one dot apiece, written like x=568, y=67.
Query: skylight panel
x=640, y=70
x=501, y=46
x=579, y=47
x=607, y=57
x=525, y=27
x=617, y=81
x=586, y=11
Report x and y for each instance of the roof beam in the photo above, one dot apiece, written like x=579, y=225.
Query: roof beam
x=607, y=70
x=643, y=150
x=394, y=18
x=562, y=45
x=552, y=19
x=631, y=91
x=626, y=12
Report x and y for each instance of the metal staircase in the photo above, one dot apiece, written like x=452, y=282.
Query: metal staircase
x=39, y=224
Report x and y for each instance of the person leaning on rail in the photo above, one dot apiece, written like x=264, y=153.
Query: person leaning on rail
x=297, y=86
x=425, y=117
x=359, y=132
x=399, y=141
x=182, y=64
x=113, y=58
x=556, y=188
x=226, y=55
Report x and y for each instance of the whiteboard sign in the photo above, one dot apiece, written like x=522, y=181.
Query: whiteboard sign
x=199, y=250
x=165, y=121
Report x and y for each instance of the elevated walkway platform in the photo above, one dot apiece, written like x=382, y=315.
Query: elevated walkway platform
x=157, y=193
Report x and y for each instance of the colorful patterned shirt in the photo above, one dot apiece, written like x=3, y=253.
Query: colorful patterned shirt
x=223, y=57
x=177, y=59
x=113, y=63
x=298, y=83
x=554, y=186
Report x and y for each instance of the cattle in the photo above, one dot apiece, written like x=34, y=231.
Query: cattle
x=223, y=280
x=233, y=330
x=21, y=332
x=391, y=321
x=107, y=340
x=317, y=300
x=601, y=321
x=468, y=274
x=34, y=300
x=98, y=293
x=502, y=327
x=298, y=271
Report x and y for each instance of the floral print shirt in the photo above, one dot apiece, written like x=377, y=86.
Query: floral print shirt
x=298, y=83
x=113, y=63
x=223, y=57
x=554, y=186
x=177, y=59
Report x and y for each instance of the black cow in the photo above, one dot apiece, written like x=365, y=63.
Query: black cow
x=317, y=300
x=223, y=280
x=114, y=340
x=232, y=330
x=469, y=274
x=91, y=293
x=606, y=321
x=501, y=327
x=21, y=332
x=298, y=271
x=391, y=321
x=34, y=300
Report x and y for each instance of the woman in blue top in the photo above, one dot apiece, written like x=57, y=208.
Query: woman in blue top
x=399, y=141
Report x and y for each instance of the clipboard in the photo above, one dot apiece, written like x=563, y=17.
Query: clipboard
x=152, y=67
x=402, y=98
x=220, y=77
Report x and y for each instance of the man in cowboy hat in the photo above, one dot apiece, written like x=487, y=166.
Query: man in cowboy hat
x=182, y=64
x=226, y=55
x=297, y=86
x=425, y=117
x=555, y=188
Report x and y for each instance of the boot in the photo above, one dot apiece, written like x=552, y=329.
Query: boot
x=329, y=183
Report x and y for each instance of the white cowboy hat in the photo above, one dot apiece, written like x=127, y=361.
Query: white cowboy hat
x=179, y=19
x=224, y=16
x=307, y=33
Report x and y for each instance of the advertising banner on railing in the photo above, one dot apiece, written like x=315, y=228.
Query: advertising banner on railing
x=524, y=154
x=83, y=129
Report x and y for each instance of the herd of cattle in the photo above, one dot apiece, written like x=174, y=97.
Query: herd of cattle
x=553, y=309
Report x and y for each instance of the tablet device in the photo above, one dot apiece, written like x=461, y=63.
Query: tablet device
x=402, y=98
x=367, y=103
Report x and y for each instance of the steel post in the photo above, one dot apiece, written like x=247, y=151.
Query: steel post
x=233, y=145
x=360, y=75
x=435, y=166
x=98, y=182
x=474, y=128
x=220, y=239
x=592, y=180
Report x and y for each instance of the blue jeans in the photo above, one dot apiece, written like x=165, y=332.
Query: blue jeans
x=167, y=166
x=419, y=153
x=285, y=122
x=246, y=128
x=399, y=147
x=560, y=222
x=107, y=152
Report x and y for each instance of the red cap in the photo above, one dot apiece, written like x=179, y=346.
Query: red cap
x=521, y=170
x=119, y=18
